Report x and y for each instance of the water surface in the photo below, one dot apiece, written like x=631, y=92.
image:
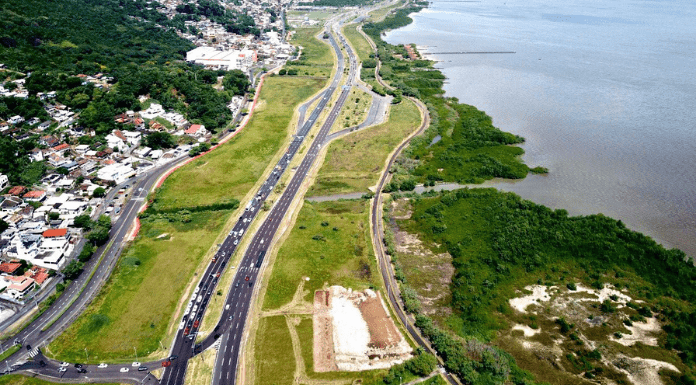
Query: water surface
x=604, y=93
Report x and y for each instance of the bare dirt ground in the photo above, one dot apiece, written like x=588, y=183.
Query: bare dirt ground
x=383, y=332
x=324, y=357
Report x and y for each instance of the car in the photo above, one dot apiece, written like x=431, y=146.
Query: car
x=62, y=364
x=78, y=366
x=251, y=283
x=82, y=370
x=62, y=369
x=124, y=370
x=166, y=364
x=173, y=357
x=102, y=365
x=227, y=307
x=231, y=318
x=216, y=276
x=214, y=259
x=236, y=284
x=142, y=368
x=246, y=278
x=236, y=242
x=135, y=364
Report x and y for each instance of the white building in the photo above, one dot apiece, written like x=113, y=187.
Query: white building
x=116, y=172
x=212, y=57
x=3, y=181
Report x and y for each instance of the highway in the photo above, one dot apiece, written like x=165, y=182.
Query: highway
x=231, y=326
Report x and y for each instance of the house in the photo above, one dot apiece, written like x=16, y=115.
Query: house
x=142, y=152
x=38, y=274
x=116, y=140
x=10, y=268
x=43, y=126
x=63, y=234
x=116, y=172
x=132, y=137
x=36, y=155
x=17, y=190
x=11, y=204
x=139, y=123
x=35, y=196
x=196, y=130
x=60, y=148
x=49, y=140
x=24, y=246
x=81, y=149
x=72, y=208
x=3, y=181
x=15, y=119
x=18, y=287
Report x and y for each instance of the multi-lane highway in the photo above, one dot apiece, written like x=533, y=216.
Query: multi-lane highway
x=231, y=325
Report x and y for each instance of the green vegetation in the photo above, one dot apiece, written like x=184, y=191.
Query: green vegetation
x=353, y=162
x=158, y=140
x=500, y=243
x=461, y=144
x=14, y=162
x=337, y=3
x=10, y=351
x=126, y=314
x=419, y=366
x=316, y=59
x=233, y=168
x=338, y=257
x=274, y=363
x=360, y=45
x=239, y=23
x=17, y=379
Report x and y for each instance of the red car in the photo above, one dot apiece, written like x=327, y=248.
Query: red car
x=246, y=278
x=166, y=364
x=195, y=324
x=217, y=275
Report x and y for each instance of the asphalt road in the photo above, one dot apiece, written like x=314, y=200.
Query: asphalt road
x=71, y=303
x=230, y=327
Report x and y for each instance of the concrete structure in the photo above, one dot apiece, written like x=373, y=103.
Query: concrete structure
x=116, y=172
x=212, y=57
x=4, y=182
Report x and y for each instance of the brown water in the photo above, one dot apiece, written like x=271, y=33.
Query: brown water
x=604, y=93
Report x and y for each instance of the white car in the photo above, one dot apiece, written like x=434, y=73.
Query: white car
x=236, y=241
x=62, y=369
x=124, y=370
x=102, y=365
x=64, y=364
x=135, y=364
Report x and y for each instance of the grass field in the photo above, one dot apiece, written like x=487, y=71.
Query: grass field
x=200, y=369
x=360, y=45
x=330, y=243
x=353, y=162
x=135, y=307
x=354, y=111
x=233, y=168
x=275, y=363
x=16, y=379
x=379, y=14
x=316, y=59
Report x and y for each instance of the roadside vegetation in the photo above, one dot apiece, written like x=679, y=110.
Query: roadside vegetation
x=330, y=243
x=316, y=58
x=273, y=367
x=354, y=110
x=353, y=162
x=17, y=379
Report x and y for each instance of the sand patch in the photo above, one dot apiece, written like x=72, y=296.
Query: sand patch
x=540, y=293
x=528, y=331
x=642, y=371
x=640, y=332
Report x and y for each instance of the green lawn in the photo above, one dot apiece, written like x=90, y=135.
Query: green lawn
x=353, y=163
x=274, y=358
x=340, y=254
x=360, y=45
x=135, y=307
x=17, y=379
x=232, y=169
x=316, y=59
x=354, y=110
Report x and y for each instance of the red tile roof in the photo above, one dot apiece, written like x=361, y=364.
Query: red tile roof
x=17, y=190
x=120, y=135
x=9, y=268
x=193, y=129
x=61, y=147
x=35, y=194
x=38, y=274
x=54, y=233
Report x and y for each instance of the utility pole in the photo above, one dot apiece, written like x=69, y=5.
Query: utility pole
x=87, y=354
x=136, y=354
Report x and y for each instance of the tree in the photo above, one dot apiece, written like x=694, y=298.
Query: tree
x=158, y=140
x=73, y=269
x=104, y=221
x=83, y=222
x=53, y=216
x=3, y=225
x=99, y=235
x=99, y=192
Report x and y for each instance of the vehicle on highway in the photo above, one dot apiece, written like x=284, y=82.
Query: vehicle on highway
x=102, y=365
x=79, y=366
x=62, y=369
x=62, y=364
x=142, y=368
x=173, y=357
x=246, y=278
x=216, y=276
x=82, y=370
x=215, y=258
x=124, y=370
x=236, y=241
x=227, y=307
x=195, y=324
x=135, y=364
x=166, y=364
x=236, y=284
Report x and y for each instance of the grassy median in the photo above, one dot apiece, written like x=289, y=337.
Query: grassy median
x=273, y=352
x=360, y=45
x=330, y=243
x=353, y=163
x=17, y=379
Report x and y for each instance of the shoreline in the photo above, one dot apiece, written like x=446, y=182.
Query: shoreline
x=517, y=186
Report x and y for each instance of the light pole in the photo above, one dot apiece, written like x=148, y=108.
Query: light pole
x=136, y=354
x=86, y=354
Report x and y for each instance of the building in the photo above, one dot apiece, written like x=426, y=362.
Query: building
x=196, y=130
x=116, y=172
x=9, y=268
x=212, y=57
x=4, y=182
x=35, y=196
x=18, y=287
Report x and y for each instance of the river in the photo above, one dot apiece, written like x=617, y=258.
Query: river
x=603, y=92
